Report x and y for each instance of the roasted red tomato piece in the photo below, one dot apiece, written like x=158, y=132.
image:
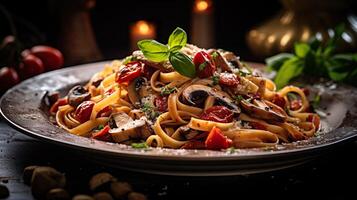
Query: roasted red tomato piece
x=204, y=65
x=228, y=79
x=103, y=134
x=58, y=103
x=216, y=140
x=218, y=114
x=295, y=104
x=315, y=119
x=128, y=73
x=279, y=101
x=84, y=110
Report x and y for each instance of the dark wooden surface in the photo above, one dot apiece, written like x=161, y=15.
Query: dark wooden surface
x=332, y=176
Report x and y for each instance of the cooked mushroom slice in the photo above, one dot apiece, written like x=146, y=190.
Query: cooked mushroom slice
x=133, y=88
x=124, y=128
x=261, y=110
x=232, y=59
x=163, y=66
x=197, y=94
x=77, y=95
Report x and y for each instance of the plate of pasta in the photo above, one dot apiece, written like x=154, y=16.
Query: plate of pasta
x=182, y=110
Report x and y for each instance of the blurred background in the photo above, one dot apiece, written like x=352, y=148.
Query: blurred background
x=89, y=30
x=110, y=21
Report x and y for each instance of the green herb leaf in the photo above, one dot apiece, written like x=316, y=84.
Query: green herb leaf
x=167, y=90
x=182, y=64
x=301, y=49
x=154, y=50
x=275, y=62
x=203, y=65
x=141, y=145
x=215, y=79
x=290, y=69
x=128, y=59
x=100, y=127
x=177, y=39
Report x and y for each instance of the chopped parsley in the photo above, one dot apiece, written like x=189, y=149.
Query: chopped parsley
x=100, y=127
x=141, y=145
x=167, y=90
x=215, y=79
x=128, y=59
x=214, y=55
x=203, y=65
x=149, y=110
x=237, y=99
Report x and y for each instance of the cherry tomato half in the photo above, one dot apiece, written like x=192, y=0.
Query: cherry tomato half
x=279, y=101
x=218, y=114
x=228, y=79
x=295, y=104
x=58, y=103
x=216, y=140
x=52, y=58
x=128, y=73
x=84, y=110
x=30, y=66
x=8, y=78
x=204, y=65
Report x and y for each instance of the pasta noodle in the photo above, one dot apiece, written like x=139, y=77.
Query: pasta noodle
x=144, y=101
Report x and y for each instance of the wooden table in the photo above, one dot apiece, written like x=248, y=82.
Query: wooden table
x=332, y=176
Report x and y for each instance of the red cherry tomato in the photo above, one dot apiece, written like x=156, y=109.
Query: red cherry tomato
x=103, y=134
x=218, y=114
x=105, y=112
x=8, y=78
x=58, y=103
x=228, y=79
x=128, y=73
x=216, y=140
x=52, y=58
x=161, y=103
x=84, y=110
x=30, y=66
x=204, y=65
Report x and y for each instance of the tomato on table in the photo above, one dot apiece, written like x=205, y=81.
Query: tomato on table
x=129, y=72
x=103, y=134
x=204, y=65
x=8, y=78
x=30, y=66
x=84, y=110
x=216, y=140
x=218, y=114
x=52, y=58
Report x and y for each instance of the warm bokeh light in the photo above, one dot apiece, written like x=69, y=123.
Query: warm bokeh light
x=141, y=30
x=143, y=27
x=202, y=5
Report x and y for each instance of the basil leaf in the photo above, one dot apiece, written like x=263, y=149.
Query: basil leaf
x=182, y=64
x=177, y=38
x=301, y=49
x=290, y=69
x=275, y=62
x=337, y=76
x=153, y=50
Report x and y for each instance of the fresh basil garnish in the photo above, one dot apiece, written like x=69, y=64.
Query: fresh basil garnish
x=183, y=64
x=157, y=52
x=154, y=50
x=178, y=39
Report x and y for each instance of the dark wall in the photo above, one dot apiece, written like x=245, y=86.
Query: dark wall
x=111, y=19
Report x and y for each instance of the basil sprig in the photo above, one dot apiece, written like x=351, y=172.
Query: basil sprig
x=157, y=52
x=315, y=59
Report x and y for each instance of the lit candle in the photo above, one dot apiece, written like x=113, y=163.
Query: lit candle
x=203, y=24
x=141, y=30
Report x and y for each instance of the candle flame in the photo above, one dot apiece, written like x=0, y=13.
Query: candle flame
x=143, y=27
x=202, y=5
